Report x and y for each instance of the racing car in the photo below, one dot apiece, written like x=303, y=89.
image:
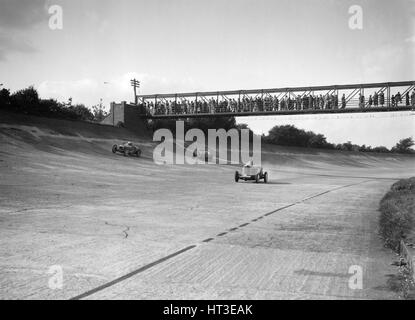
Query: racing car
x=251, y=172
x=127, y=148
x=204, y=155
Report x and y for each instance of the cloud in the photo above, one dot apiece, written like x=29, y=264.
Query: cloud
x=96, y=20
x=388, y=62
x=14, y=43
x=16, y=18
x=410, y=39
x=89, y=91
x=22, y=14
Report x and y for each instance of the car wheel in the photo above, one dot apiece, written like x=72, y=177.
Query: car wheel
x=114, y=148
x=236, y=176
x=266, y=177
x=257, y=178
x=138, y=153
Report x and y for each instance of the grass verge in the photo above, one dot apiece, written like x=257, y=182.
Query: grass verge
x=396, y=223
x=397, y=213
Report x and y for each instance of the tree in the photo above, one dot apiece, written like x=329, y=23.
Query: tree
x=24, y=100
x=381, y=149
x=81, y=112
x=404, y=146
x=99, y=112
x=287, y=135
x=348, y=146
x=4, y=98
x=241, y=126
x=317, y=140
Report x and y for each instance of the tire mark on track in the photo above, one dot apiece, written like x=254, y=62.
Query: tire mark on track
x=170, y=256
x=131, y=274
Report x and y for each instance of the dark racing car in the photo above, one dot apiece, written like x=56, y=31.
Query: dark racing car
x=127, y=148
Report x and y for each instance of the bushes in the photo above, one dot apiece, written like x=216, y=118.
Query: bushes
x=289, y=135
x=404, y=146
x=397, y=213
x=4, y=98
x=27, y=101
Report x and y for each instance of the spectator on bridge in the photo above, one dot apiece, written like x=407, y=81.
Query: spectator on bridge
x=370, y=101
x=283, y=104
x=305, y=102
x=277, y=104
x=321, y=101
x=327, y=101
x=407, y=99
x=343, y=101
x=361, y=101
x=336, y=101
x=393, y=100
x=211, y=105
x=298, y=102
x=413, y=99
x=382, y=99
x=291, y=103
x=398, y=98
x=375, y=99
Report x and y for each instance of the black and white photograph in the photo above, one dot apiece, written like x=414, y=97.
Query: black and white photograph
x=207, y=154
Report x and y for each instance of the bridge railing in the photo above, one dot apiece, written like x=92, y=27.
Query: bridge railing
x=387, y=96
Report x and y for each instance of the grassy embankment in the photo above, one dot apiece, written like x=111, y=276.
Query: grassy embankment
x=397, y=213
x=396, y=224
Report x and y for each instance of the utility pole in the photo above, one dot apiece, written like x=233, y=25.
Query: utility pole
x=136, y=84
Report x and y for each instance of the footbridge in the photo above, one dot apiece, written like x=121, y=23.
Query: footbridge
x=349, y=98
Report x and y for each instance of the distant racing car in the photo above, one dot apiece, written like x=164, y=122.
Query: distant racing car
x=127, y=148
x=251, y=172
x=204, y=155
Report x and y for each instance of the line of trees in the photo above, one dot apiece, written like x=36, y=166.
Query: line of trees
x=27, y=101
x=289, y=135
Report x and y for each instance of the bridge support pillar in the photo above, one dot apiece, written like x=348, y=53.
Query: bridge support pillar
x=125, y=115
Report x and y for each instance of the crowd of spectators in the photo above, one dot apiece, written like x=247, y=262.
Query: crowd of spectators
x=273, y=103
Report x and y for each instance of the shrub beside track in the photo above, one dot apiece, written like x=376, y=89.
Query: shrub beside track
x=397, y=213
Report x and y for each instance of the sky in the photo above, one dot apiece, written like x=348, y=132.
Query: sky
x=195, y=45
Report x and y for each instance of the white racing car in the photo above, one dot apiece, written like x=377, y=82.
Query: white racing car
x=251, y=172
